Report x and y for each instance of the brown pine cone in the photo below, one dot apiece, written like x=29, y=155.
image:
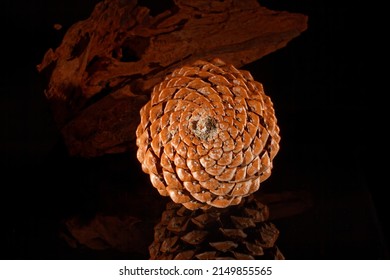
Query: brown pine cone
x=237, y=232
x=208, y=135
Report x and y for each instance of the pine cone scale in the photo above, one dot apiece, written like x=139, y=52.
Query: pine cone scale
x=206, y=127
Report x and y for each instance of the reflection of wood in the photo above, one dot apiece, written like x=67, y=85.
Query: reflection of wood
x=286, y=204
x=129, y=228
x=122, y=44
x=127, y=234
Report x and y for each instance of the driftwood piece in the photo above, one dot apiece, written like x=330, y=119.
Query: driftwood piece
x=103, y=71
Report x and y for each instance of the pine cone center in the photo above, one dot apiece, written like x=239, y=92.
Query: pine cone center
x=204, y=127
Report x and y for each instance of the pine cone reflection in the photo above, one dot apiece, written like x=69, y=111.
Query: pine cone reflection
x=208, y=135
x=237, y=232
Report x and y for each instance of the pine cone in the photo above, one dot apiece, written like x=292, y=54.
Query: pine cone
x=237, y=232
x=208, y=135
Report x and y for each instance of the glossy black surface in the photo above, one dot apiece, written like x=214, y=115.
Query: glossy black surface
x=325, y=107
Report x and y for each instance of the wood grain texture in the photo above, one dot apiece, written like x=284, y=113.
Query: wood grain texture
x=103, y=71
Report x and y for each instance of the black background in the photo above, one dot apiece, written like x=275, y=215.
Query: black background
x=326, y=108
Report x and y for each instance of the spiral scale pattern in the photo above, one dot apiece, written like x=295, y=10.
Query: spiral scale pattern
x=208, y=135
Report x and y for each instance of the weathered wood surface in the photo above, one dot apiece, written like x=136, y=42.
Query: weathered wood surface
x=104, y=69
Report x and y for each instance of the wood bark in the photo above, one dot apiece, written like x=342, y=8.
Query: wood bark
x=103, y=71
